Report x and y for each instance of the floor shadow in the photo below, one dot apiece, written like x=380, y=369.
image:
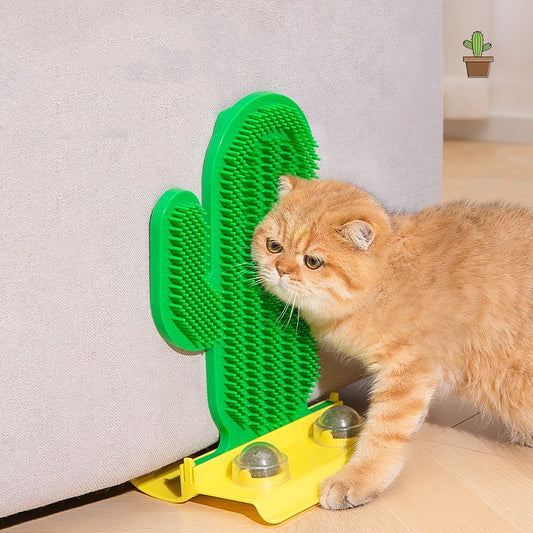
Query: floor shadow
x=64, y=505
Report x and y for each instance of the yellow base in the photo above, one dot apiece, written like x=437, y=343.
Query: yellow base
x=309, y=463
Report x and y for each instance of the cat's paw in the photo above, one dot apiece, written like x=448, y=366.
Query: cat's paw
x=351, y=487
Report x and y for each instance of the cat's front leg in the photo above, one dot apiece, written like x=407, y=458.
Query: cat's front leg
x=399, y=403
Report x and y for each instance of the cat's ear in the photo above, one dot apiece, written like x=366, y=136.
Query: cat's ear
x=286, y=184
x=358, y=232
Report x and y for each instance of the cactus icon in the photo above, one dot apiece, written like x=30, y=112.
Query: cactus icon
x=260, y=368
x=477, y=65
x=476, y=44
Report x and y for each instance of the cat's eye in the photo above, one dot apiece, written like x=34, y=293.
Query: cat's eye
x=313, y=262
x=274, y=246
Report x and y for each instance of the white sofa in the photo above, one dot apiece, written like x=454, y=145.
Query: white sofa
x=105, y=106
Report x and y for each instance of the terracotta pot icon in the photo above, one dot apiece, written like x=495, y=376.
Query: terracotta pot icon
x=478, y=67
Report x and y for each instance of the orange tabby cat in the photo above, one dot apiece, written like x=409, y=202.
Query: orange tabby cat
x=441, y=298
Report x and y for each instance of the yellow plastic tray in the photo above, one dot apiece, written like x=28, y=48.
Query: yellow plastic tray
x=310, y=463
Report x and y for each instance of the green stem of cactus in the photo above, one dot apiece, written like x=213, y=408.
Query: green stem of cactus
x=476, y=44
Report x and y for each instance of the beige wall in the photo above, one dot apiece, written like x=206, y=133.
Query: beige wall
x=513, y=33
x=500, y=107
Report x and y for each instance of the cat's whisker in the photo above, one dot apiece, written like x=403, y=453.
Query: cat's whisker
x=245, y=271
x=248, y=267
x=254, y=282
x=248, y=273
x=282, y=314
x=244, y=263
x=261, y=280
x=292, y=311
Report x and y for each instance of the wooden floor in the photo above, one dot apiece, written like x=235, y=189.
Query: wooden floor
x=460, y=477
x=488, y=171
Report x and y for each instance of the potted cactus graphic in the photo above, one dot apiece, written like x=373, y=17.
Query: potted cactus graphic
x=477, y=65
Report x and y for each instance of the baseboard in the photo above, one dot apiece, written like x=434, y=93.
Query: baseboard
x=495, y=128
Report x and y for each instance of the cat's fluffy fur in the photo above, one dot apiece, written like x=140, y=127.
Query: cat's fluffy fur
x=441, y=298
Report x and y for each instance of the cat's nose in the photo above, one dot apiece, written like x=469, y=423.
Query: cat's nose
x=281, y=270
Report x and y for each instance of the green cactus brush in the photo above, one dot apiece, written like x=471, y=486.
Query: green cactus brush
x=476, y=44
x=259, y=371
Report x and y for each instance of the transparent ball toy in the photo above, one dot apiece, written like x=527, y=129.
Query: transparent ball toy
x=260, y=464
x=337, y=426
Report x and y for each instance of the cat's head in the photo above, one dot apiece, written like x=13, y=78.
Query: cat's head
x=317, y=247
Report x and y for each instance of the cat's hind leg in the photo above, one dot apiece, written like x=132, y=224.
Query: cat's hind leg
x=507, y=395
x=514, y=404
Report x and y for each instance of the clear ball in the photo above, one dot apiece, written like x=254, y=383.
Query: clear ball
x=261, y=459
x=343, y=421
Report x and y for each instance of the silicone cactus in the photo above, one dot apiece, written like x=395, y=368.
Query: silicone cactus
x=476, y=44
x=260, y=370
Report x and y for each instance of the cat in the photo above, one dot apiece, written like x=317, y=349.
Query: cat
x=438, y=299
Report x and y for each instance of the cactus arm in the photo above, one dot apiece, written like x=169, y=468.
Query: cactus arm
x=184, y=307
x=487, y=46
x=467, y=44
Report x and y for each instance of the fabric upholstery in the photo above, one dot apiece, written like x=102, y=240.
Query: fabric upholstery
x=104, y=106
